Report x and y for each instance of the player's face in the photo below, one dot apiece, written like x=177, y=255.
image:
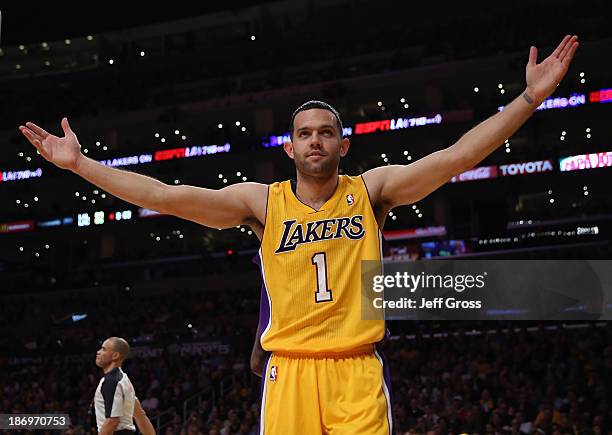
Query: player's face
x=104, y=356
x=317, y=143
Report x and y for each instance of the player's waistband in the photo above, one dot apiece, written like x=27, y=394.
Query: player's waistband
x=361, y=350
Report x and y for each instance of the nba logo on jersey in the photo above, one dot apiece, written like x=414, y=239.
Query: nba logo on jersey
x=350, y=199
x=273, y=373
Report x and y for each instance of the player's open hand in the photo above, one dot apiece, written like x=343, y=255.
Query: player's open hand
x=543, y=78
x=64, y=152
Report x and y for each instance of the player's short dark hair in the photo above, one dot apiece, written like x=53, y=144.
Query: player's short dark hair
x=120, y=345
x=315, y=104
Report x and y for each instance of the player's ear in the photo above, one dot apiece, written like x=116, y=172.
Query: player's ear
x=344, y=146
x=288, y=147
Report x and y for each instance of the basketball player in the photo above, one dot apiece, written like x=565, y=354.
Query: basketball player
x=323, y=374
x=115, y=403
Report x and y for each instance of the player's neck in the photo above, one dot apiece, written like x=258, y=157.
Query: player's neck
x=315, y=191
x=110, y=367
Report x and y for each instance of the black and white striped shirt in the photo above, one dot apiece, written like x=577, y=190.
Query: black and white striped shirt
x=115, y=397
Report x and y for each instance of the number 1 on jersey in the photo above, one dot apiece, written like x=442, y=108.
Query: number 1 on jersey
x=323, y=293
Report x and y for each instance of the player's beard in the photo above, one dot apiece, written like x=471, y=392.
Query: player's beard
x=325, y=167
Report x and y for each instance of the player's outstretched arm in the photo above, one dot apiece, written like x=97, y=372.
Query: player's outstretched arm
x=234, y=205
x=396, y=185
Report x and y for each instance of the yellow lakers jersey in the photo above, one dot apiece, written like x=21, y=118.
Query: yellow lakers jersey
x=311, y=269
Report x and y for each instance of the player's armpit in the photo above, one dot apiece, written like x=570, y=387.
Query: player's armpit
x=258, y=358
x=225, y=208
x=395, y=185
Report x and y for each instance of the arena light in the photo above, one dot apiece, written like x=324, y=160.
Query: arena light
x=142, y=54
x=89, y=38
x=476, y=89
x=98, y=143
x=402, y=100
x=163, y=140
x=253, y=38
x=67, y=41
x=237, y=123
x=105, y=148
x=219, y=125
x=157, y=135
x=183, y=137
x=177, y=132
x=243, y=128
x=111, y=61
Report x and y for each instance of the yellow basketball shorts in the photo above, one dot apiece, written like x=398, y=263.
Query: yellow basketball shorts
x=339, y=395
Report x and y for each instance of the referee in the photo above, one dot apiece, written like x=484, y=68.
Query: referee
x=115, y=403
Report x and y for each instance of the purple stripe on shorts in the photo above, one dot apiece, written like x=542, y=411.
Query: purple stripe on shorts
x=261, y=392
x=386, y=377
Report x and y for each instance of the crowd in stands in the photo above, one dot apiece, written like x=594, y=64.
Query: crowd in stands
x=555, y=380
